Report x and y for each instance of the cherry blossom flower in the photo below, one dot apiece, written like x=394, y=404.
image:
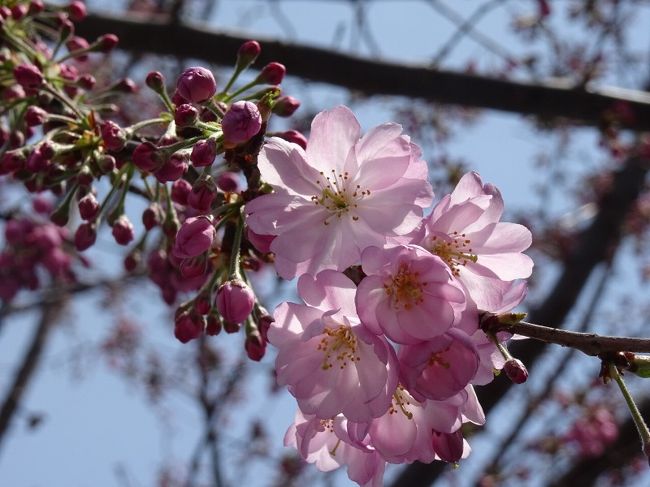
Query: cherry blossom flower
x=329, y=362
x=408, y=294
x=341, y=195
x=325, y=443
x=483, y=253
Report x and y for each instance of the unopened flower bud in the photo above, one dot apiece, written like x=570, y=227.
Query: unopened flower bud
x=113, y=135
x=241, y=122
x=19, y=11
x=88, y=207
x=123, y=232
x=228, y=182
x=204, y=152
x=156, y=81
x=146, y=157
x=285, y=106
x=272, y=74
x=188, y=326
x=516, y=371
x=448, y=446
x=213, y=325
x=295, y=137
x=194, y=237
x=173, y=168
x=131, y=261
x=255, y=345
x=28, y=76
x=185, y=115
x=247, y=53
x=106, y=163
x=36, y=7
x=180, y=191
x=85, y=236
x=78, y=44
x=86, y=81
x=196, y=84
x=35, y=115
x=106, y=43
x=202, y=195
x=77, y=11
x=235, y=301
x=151, y=216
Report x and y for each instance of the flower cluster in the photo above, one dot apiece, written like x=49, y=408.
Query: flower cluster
x=382, y=366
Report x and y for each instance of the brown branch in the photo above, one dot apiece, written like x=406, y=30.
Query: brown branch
x=144, y=34
x=28, y=366
x=587, y=343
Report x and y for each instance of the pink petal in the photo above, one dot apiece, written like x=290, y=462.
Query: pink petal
x=333, y=135
x=284, y=165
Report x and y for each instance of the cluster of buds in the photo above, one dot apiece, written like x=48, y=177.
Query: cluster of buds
x=196, y=171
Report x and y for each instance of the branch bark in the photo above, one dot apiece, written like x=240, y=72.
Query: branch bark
x=551, y=100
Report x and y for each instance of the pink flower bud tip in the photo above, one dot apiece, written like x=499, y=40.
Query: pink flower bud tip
x=228, y=182
x=88, y=207
x=272, y=74
x=107, y=42
x=85, y=236
x=187, y=328
x=255, y=346
x=123, y=230
x=196, y=84
x=235, y=301
x=156, y=81
x=194, y=238
x=248, y=53
x=241, y=122
x=516, y=371
x=295, y=137
x=77, y=11
x=28, y=76
x=113, y=136
x=204, y=152
x=185, y=115
x=285, y=106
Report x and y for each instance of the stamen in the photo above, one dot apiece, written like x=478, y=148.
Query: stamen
x=338, y=344
x=456, y=252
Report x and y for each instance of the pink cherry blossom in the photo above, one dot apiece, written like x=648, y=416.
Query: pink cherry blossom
x=341, y=195
x=485, y=254
x=325, y=443
x=329, y=362
x=441, y=367
x=408, y=294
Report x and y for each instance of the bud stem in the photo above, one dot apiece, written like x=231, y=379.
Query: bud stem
x=640, y=424
x=233, y=269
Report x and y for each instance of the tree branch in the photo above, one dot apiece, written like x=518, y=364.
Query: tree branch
x=28, y=366
x=551, y=100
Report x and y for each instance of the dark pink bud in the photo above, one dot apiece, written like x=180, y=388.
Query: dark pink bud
x=202, y=304
x=285, y=106
x=36, y=7
x=78, y=44
x=188, y=326
x=228, y=182
x=180, y=191
x=194, y=237
x=516, y=371
x=77, y=11
x=35, y=115
x=295, y=137
x=88, y=207
x=241, y=122
x=272, y=74
x=194, y=267
x=11, y=161
x=448, y=446
x=185, y=115
x=42, y=205
x=146, y=157
x=106, y=163
x=37, y=161
x=19, y=11
x=17, y=230
x=156, y=81
x=255, y=346
x=123, y=232
x=196, y=84
x=202, y=195
x=264, y=323
x=260, y=242
x=247, y=53
x=173, y=168
x=113, y=136
x=5, y=12
x=151, y=217
x=213, y=326
x=131, y=262
x=85, y=236
x=125, y=85
x=204, y=152
x=107, y=42
x=235, y=301
x=87, y=81
x=28, y=76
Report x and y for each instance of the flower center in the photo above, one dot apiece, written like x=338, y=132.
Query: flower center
x=455, y=252
x=336, y=196
x=437, y=358
x=340, y=345
x=400, y=401
x=405, y=288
